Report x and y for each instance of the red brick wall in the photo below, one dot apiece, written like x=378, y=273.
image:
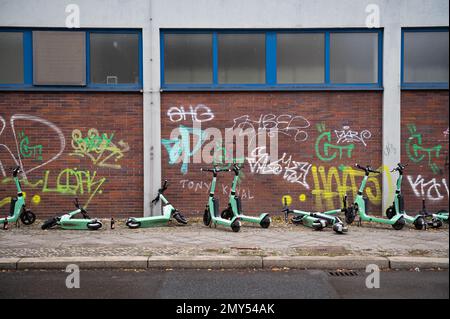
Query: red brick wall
x=425, y=117
x=322, y=181
x=103, y=169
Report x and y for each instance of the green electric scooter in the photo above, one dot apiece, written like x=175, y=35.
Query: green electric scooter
x=360, y=206
x=168, y=212
x=234, y=208
x=433, y=220
x=398, y=207
x=17, y=208
x=67, y=221
x=212, y=213
x=317, y=220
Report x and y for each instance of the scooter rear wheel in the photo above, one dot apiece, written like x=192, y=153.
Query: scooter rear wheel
x=265, y=222
x=132, y=224
x=28, y=217
x=94, y=225
x=390, y=212
x=206, y=217
x=419, y=223
x=236, y=226
x=399, y=224
x=49, y=223
x=350, y=215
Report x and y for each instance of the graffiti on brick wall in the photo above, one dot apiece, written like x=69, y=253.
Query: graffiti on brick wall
x=99, y=148
x=29, y=151
x=434, y=189
x=202, y=186
x=199, y=113
x=292, y=171
x=347, y=135
x=326, y=150
x=418, y=153
x=294, y=126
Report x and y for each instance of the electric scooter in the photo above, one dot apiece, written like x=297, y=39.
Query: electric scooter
x=360, y=206
x=168, y=212
x=433, y=220
x=17, y=208
x=398, y=207
x=67, y=221
x=212, y=213
x=234, y=208
x=317, y=220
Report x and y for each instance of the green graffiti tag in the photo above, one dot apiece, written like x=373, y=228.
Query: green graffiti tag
x=326, y=151
x=26, y=151
x=99, y=148
x=417, y=153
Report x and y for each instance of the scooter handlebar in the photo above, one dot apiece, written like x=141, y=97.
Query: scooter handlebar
x=367, y=169
x=400, y=167
x=216, y=170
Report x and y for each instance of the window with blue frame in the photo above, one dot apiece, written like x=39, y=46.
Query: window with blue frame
x=425, y=58
x=79, y=59
x=262, y=59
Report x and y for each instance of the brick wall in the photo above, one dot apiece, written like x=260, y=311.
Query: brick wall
x=425, y=129
x=313, y=174
x=85, y=145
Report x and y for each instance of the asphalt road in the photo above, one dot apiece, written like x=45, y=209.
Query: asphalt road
x=227, y=284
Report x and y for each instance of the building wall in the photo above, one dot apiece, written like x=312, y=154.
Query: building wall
x=425, y=148
x=314, y=176
x=71, y=145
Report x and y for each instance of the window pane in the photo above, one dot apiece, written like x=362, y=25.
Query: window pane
x=426, y=57
x=11, y=57
x=300, y=58
x=59, y=58
x=114, y=58
x=242, y=58
x=354, y=57
x=188, y=58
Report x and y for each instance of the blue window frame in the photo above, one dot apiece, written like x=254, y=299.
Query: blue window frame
x=27, y=84
x=419, y=85
x=271, y=62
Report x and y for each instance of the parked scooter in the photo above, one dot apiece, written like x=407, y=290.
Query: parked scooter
x=212, y=213
x=360, y=206
x=398, y=207
x=168, y=212
x=433, y=220
x=17, y=208
x=317, y=220
x=67, y=221
x=234, y=208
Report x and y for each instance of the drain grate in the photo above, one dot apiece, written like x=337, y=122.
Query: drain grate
x=340, y=273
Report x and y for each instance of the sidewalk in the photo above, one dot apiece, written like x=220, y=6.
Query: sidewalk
x=280, y=242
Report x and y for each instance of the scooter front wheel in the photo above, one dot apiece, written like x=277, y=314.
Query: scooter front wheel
x=390, y=212
x=180, y=218
x=399, y=224
x=94, y=225
x=350, y=215
x=206, y=217
x=419, y=223
x=226, y=214
x=236, y=226
x=28, y=217
x=49, y=223
x=265, y=222
x=133, y=224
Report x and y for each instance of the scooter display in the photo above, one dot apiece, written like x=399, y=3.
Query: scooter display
x=398, y=207
x=168, y=212
x=67, y=221
x=317, y=220
x=360, y=206
x=17, y=208
x=212, y=213
x=234, y=208
x=433, y=220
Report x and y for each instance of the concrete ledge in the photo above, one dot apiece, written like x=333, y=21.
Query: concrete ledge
x=205, y=262
x=9, y=263
x=324, y=262
x=417, y=262
x=135, y=262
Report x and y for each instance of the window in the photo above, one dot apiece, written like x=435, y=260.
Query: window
x=425, y=58
x=301, y=58
x=59, y=58
x=336, y=59
x=353, y=57
x=242, y=58
x=114, y=58
x=188, y=58
x=11, y=58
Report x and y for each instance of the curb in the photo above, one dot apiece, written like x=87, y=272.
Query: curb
x=223, y=262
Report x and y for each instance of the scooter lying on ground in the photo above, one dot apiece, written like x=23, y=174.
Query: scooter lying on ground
x=433, y=220
x=317, y=220
x=67, y=221
x=212, y=213
x=234, y=208
x=360, y=206
x=168, y=212
x=398, y=207
x=17, y=208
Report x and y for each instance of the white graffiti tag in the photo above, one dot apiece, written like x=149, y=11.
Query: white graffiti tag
x=200, y=113
x=346, y=135
x=431, y=190
x=293, y=171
